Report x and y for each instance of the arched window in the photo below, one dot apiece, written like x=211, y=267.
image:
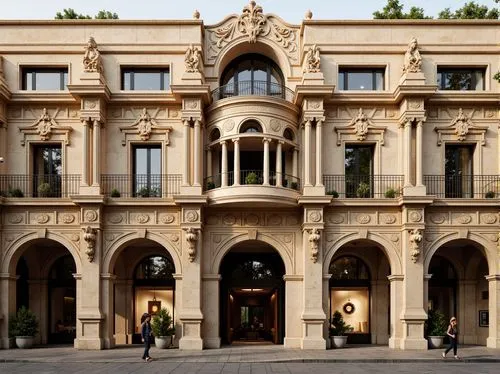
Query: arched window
x=349, y=268
x=250, y=126
x=214, y=135
x=252, y=74
x=288, y=134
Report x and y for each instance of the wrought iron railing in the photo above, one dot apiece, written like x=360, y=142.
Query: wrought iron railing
x=463, y=186
x=250, y=177
x=39, y=185
x=363, y=186
x=141, y=185
x=253, y=88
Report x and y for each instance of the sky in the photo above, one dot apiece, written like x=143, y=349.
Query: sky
x=213, y=11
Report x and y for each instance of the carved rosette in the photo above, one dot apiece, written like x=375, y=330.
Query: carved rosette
x=415, y=240
x=314, y=239
x=90, y=237
x=315, y=216
x=191, y=239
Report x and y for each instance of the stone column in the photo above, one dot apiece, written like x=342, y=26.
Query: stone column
x=396, y=328
x=85, y=153
x=197, y=153
x=319, y=158
x=7, y=306
x=295, y=163
x=467, y=293
x=313, y=315
x=293, y=308
x=493, y=340
x=279, y=164
x=266, y=142
x=108, y=309
x=407, y=154
x=187, y=152
x=123, y=311
x=96, y=154
x=326, y=309
x=419, y=154
x=307, y=154
x=211, y=338
x=401, y=150
x=209, y=163
x=224, y=164
x=237, y=172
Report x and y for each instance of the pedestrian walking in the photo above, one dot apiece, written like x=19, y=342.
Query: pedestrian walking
x=146, y=334
x=452, y=332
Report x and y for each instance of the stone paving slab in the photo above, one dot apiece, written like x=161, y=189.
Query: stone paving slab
x=249, y=354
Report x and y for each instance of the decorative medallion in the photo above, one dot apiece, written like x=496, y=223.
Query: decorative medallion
x=363, y=219
x=288, y=238
x=191, y=216
x=91, y=215
x=252, y=220
x=75, y=237
x=275, y=220
x=490, y=218
x=314, y=216
x=336, y=218
x=415, y=216
x=115, y=218
x=167, y=219
x=438, y=218
x=174, y=238
x=173, y=113
x=228, y=125
x=42, y=218
x=229, y=220
x=275, y=124
x=464, y=219
x=142, y=218
x=389, y=218
x=395, y=238
x=192, y=104
x=68, y=218
x=15, y=218
x=314, y=104
x=90, y=104
x=217, y=238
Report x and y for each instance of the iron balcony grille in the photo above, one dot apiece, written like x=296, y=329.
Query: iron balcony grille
x=39, y=185
x=141, y=185
x=251, y=177
x=363, y=186
x=454, y=186
x=253, y=88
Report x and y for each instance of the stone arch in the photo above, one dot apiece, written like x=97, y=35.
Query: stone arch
x=117, y=247
x=239, y=238
x=481, y=243
x=382, y=243
x=252, y=118
x=19, y=245
x=263, y=46
x=133, y=265
x=457, y=266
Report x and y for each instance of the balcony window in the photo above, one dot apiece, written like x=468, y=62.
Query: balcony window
x=147, y=171
x=364, y=79
x=358, y=165
x=460, y=79
x=36, y=79
x=150, y=79
x=47, y=166
x=458, y=171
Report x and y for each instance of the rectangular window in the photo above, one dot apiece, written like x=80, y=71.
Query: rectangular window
x=150, y=79
x=458, y=171
x=358, y=164
x=364, y=79
x=35, y=79
x=460, y=79
x=47, y=170
x=147, y=171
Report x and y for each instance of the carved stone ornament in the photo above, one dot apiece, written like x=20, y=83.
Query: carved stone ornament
x=45, y=127
x=461, y=128
x=192, y=59
x=145, y=126
x=191, y=238
x=196, y=14
x=92, y=59
x=415, y=240
x=360, y=123
x=413, y=60
x=314, y=238
x=90, y=236
x=312, y=60
x=252, y=24
x=359, y=129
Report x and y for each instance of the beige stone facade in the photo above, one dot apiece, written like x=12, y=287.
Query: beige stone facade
x=216, y=174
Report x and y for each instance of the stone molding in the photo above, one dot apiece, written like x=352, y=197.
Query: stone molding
x=460, y=129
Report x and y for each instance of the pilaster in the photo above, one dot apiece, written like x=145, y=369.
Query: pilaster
x=493, y=340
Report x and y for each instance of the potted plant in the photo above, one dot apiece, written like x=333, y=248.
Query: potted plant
x=251, y=178
x=390, y=193
x=338, y=328
x=363, y=190
x=15, y=192
x=294, y=185
x=333, y=193
x=24, y=326
x=44, y=190
x=210, y=185
x=436, y=328
x=490, y=195
x=115, y=193
x=144, y=192
x=162, y=328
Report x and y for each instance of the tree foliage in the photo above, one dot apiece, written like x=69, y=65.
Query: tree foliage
x=470, y=10
x=70, y=13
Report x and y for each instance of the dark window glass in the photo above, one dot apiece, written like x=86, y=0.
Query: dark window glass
x=458, y=171
x=47, y=167
x=145, y=79
x=45, y=79
x=147, y=171
x=253, y=270
x=156, y=267
x=358, y=164
x=349, y=268
x=250, y=126
x=361, y=79
x=460, y=79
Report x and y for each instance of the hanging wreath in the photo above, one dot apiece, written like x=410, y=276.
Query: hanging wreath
x=349, y=308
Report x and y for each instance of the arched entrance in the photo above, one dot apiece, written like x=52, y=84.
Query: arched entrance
x=359, y=290
x=252, y=295
x=442, y=286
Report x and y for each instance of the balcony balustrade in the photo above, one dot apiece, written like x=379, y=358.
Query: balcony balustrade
x=141, y=185
x=463, y=186
x=363, y=186
x=251, y=177
x=42, y=186
x=253, y=88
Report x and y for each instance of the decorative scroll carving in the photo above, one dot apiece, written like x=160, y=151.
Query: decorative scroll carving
x=192, y=59
x=312, y=60
x=145, y=126
x=360, y=128
x=90, y=236
x=92, y=58
x=253, y=24
x=460, y=128
x=415, y=240
x=314, y=238
x=191, y=238
x=45, y=126
x=413, y=60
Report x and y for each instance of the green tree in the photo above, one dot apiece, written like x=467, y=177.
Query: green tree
x=394, y=10
x=470, y=10
x=71, y=14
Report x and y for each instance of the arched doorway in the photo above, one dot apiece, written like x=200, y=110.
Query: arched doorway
x=252, y=295
x=442, y=287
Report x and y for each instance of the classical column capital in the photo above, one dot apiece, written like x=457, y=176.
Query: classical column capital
x=222, y=142
x=236, y=140
x=266, y=140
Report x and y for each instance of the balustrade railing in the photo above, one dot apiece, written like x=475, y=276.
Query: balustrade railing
x=141, y=185
x=252, y=177
x=463, y=186
x=363, y=186
x=39, y=185
x=253, y=88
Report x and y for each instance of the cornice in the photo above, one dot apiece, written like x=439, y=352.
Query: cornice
x=42, y=97
x=324, y=91
x=128, y=97
x=472, y=97
x=184, y=90
x=98, y=22
x=81, y=90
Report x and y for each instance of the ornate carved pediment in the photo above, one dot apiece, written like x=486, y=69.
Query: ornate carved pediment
x=461, y=128
x=360, y=128
x=44, y=128
x=251, y=24
x=145, y=126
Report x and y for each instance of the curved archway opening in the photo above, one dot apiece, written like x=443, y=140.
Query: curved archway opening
x=252, y=295
x=359, y=290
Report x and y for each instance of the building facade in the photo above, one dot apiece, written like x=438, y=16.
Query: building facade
x=252, y=177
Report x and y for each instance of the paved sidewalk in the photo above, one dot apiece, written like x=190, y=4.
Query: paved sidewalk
x=245, y=354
